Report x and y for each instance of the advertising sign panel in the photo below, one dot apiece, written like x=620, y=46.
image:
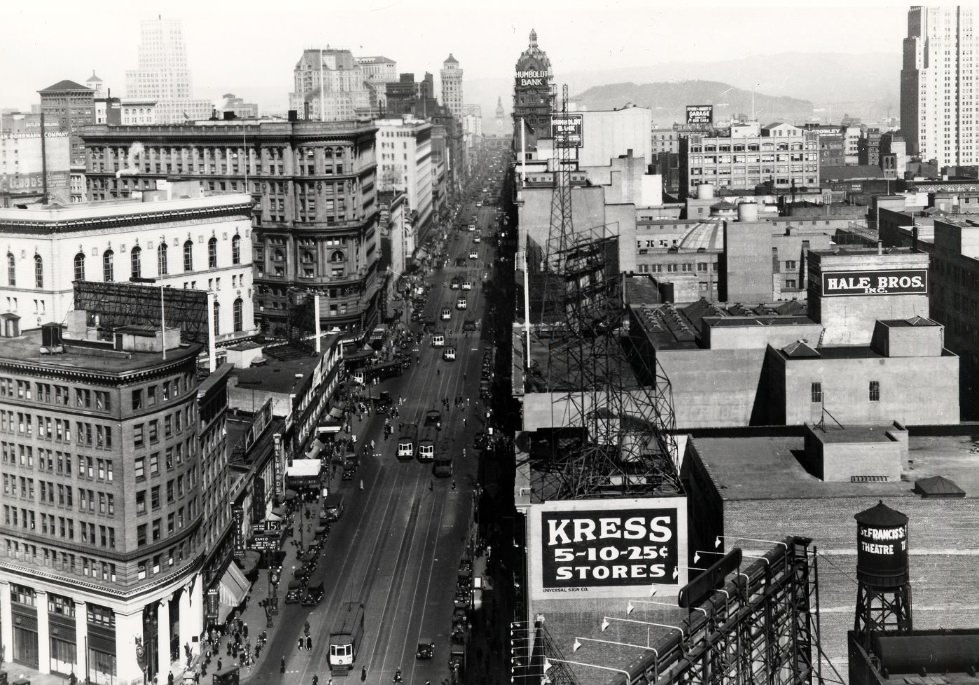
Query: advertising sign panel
x=700, y=114
x=607, y=548
x=889, y=282
x=532, y=78
x=566, y=130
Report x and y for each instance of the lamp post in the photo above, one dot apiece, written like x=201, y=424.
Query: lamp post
x=274, y=583
x=141, y=657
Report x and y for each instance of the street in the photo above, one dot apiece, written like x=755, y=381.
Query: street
x=399, y=542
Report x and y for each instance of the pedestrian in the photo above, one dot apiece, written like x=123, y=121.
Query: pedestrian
x=219, y=665
x=363, y=673
x=431, y=485
x=453, y=483
x=300, y=645
x=244, y=630
x=361, y=483
x=309, y=644
x=282, y=665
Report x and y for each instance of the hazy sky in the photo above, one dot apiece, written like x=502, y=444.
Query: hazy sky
x=248, y=43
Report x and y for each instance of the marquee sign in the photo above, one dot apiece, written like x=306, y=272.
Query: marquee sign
x=887, y=282
x=700, y=114
x=607, y=548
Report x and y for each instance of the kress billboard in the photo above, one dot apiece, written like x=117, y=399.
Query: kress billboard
x=607, y=548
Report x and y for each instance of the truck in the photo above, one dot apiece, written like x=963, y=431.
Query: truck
x=407, y=442
x=345, y=638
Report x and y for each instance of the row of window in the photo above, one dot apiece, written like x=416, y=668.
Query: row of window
x=873, y=391
x=162, y=260
x=175, y=489
x=86, y=434
x=50, y=393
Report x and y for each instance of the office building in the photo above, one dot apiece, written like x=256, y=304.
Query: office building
x=533, y=95
x=330, y=85
x=22, y=172
x=308, y=174
x=201, y=243
x=451, y=75
x=102, y=501
x=404, y=162
x=500, y=117
x=782, y=155
x=72, y=104
x=940, y=85
x=162, y=74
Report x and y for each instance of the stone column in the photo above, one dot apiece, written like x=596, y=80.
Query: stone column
x=191, y=616
x=6, y=623
x=81, y=641
x=163, y=638
x=43, y=632
x=128, y=627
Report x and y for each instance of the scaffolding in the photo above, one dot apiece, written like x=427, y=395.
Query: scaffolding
x=628, y=446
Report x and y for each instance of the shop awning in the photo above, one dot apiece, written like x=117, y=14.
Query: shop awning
x=303, y=468
x=336, y=413
x=274, y=515
x=233, y=589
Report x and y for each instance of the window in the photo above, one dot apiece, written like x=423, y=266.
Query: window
x=875, y=391
x=141, y=541
x=217, y=317
x=139, y=468
x=237, y=315
x=38, y=271
x=80, y=266
x=108, y=272
x=141, y=502
x=189, y=255
x=236, y=250
x=135, y=271
x=11, y=269
x=817, y=392
x=161, y=258
x=212, y=253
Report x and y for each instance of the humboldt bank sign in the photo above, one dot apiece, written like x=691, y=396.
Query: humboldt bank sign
x=889, y=282
x=532, y=78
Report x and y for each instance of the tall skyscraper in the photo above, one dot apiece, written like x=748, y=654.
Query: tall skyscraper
x=452, y=86
x=163, y=75
x=500, y=117
x=533, y=93
x=940, y=85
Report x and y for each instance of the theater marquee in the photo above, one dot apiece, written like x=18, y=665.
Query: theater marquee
x=607, y=548
x=890, y=282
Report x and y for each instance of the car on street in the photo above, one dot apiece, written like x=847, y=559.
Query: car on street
x=467, y=285
x=313, y=595
x=473, y=254
x=425, y=649
x=433, y=417
x=295, y=592
x=461, y=303
x=449, y=354
x=469, y=325
x=446, y=314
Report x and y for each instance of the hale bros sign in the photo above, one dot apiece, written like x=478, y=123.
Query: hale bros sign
x=890, y=282
x=607, y=548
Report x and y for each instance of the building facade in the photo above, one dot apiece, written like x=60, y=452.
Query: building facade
x=783, y=155
x=22, y=172
x=404, y=161
x=74, y=107
x=314, y=225
x=940, y=85
x=103, y=517
x=330, y=85
x=202, y=243
x=162, y=74
x=533, y=94
x=451, y=75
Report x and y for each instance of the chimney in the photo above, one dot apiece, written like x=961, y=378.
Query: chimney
x=293, y=115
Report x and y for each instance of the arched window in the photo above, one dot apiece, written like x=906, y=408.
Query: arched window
x=11, y=269
x=80, y=266
x=238, y=306
x=38, y=271
x=189, y=255
x=161, y=258
x=217, y=317
x=338, y=257
x=236, y=250
x=212, y=253
x=135, y=268
x=108, y=272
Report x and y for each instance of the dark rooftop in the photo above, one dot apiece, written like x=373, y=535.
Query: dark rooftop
x=279, y=375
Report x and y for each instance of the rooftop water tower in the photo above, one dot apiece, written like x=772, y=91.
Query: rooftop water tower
x=883, y=578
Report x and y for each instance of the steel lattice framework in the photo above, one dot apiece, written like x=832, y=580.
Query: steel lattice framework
x=627, y=443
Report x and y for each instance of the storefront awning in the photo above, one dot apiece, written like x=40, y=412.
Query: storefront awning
x=233, y=589
x=336, y=413
x=303, y=468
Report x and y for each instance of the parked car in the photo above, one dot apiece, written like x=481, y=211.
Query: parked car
x=313, y=596
x=426, y=648
x=295, y=592
x=433, y=418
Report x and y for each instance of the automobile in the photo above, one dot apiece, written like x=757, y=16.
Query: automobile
x=461, y=599
x=454, y=283
x=426, y=648
x=476, y=239
x=433, y=417
x=449, y=354
x=468, y=325
x=348, y=473
x=461, y=261
x=446, y=314
x=467, y=285
x=295, y=592
x=313, y=596
x=461, y=303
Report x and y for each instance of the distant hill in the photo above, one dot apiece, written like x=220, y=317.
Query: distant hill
x=668, y=101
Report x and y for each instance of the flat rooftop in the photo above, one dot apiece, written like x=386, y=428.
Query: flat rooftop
x=285, y=369
x=81, y=357
x=767, y=468
x=53, y=216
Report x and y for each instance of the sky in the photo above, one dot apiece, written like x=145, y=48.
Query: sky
x=246, y=43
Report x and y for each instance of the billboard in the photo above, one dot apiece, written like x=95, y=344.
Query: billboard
x=532, y=78
x=885, y=282
x=700, y=114
x=566, y=130
x=593, y=549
